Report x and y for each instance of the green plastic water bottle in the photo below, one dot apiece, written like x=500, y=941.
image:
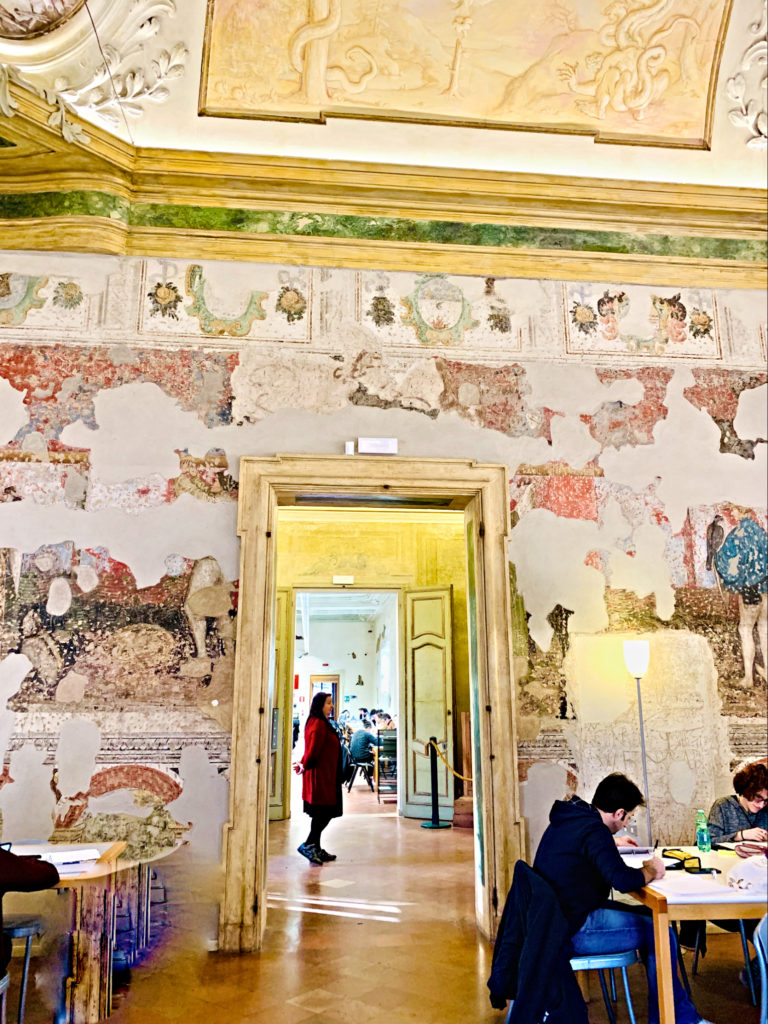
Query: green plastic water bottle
x=703, y=841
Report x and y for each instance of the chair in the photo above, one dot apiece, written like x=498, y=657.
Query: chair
x=607, y=962
x=4, y=983
x=385, y=763
x=21, y=926
x=760, y=939
x=366, y=769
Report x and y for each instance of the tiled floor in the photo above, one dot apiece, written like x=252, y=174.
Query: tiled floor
x=384, y=934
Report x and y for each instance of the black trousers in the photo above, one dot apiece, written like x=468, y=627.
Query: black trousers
x=320, y=816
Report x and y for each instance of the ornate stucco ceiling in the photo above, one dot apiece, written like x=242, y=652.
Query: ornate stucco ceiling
x=456, y=112
x=461, y=83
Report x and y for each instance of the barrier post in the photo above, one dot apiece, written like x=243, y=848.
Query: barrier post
x=435, y=823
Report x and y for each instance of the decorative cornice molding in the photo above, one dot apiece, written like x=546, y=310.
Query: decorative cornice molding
x=336, y=213
x=115, y=237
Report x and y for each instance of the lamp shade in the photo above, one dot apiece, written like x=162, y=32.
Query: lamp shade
x=637, y=654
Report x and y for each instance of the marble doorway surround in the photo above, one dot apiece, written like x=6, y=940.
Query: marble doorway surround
x=482, y=492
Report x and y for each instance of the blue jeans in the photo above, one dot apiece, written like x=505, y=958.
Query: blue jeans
x=616, y=927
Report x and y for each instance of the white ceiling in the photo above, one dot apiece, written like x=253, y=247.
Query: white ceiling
x=345, y=605
x=62, y=62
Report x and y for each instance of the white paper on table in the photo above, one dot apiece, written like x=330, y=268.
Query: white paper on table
x=682, y=887
x=61, y=858
x=635, y=860
x=75, y=868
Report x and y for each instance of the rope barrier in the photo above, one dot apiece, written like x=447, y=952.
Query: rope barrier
x=440, y=755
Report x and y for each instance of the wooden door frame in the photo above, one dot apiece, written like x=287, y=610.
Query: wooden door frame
x=265, y=484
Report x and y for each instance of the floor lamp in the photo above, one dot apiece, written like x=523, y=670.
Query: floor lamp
x=637, y=654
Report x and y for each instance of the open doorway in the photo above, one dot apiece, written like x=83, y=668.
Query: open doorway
x=346, y=645
x=403, y=650
x=481, y=493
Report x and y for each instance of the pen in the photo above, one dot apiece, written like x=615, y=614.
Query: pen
x=656, y=844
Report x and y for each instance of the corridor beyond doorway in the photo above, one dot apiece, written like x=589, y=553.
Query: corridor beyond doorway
x=350, y=636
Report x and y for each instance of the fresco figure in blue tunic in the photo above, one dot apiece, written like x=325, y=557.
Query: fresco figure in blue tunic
x=740, y=560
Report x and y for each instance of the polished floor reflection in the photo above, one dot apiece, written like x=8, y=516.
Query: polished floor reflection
x=384, y=934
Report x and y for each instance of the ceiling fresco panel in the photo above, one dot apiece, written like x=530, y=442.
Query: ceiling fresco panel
x=641, y=71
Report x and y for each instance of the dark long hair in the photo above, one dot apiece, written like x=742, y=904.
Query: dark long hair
x=316, y=707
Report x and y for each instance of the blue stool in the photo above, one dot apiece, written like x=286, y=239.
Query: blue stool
x=607, y=962
x=760, y=940
x=4, y=983
x=19, y=926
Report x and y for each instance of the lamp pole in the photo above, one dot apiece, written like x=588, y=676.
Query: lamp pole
x=636, y=658
x=645, y=765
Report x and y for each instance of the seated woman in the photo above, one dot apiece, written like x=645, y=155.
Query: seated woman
x=741, y=817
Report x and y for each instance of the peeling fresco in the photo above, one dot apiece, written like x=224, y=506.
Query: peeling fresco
x=60, y=383
x=492, y=397
x=116, y=655
x=618, y=408
x=717, y=393
x=618, y=424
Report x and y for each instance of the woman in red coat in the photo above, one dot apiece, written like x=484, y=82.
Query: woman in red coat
x=321, y=767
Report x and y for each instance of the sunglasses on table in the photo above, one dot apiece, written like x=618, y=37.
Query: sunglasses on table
x=686, y=862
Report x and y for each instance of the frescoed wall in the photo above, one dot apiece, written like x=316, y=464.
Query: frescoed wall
x=633, y=423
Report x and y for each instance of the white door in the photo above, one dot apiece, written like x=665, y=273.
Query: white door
x=281, y=709
x=428, y=701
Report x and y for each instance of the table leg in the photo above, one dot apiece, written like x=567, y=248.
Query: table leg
x=88, y=990
x=663, y=967
x=133, y=890
x=143, y=883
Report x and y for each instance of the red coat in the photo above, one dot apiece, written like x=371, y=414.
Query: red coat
x=322, y=755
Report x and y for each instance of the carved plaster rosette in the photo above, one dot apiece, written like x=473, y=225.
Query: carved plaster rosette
x=30, y=18
x=105, y=69
x=747, y=87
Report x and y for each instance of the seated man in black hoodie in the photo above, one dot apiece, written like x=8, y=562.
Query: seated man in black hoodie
x=577, y=855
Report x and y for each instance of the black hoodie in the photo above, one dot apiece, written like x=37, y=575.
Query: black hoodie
x=579, y=858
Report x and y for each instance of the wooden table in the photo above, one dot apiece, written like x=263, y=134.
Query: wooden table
x=708, y=898
x=88, y=986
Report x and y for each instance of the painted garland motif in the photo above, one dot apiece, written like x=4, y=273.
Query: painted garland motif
x=236, y=327
x=18, y=294
x=438, y=311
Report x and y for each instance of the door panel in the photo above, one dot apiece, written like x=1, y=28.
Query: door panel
x=428, y=699
x=281, y=703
